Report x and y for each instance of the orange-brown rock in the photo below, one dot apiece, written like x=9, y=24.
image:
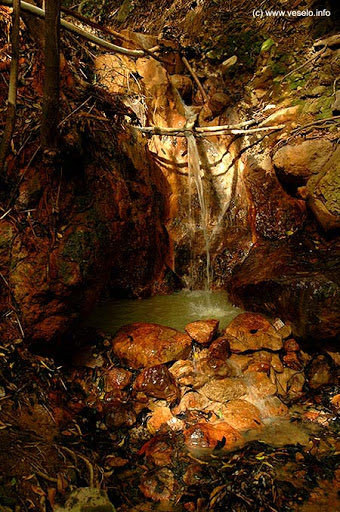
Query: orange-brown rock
x=335, y=401
x=158, y=382
x=240, y=414
x=158, y=485
x=252, y=331
x=192, y=401
x=157, y=451
x=276, y=363
x=260, y=383
x=291, y=361
x=142, y=345
x=223, y=390
x=272, y=407
x=319, y=372
x=291, y=345
x=220, y=348
x=159, y=418
x=202, y=331
x=117, y=378
x=184, y=372
x=290, y=382
x=211, y=435
x=121, y=416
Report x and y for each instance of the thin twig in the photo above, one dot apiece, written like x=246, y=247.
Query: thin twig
x=195, y=77
x=304, y=64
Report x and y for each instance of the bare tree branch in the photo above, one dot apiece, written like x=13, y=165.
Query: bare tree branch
x=12, y=91
x=50, y=109
x=79, y=31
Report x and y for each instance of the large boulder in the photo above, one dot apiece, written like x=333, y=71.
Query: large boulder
x=142, y=345
x=295, y=282
x=296, y=163
x=251, y=331
x=324, y=194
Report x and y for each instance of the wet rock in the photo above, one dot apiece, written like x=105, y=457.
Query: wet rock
x=261, y=384
x=219, y=435
x=157, y=382
x=290, y=383
x=251, y=331
x=142, y=345
x=285, y=214
x=117, y=378
x=192, y=401
x=276, y=363
x=206, y=367
x=319, y=372
x=335, y=401
x=163, y=419
x=241, y=415
x=272, y=407
x=157, y=451
x=121, y=416
x=219, y=102
x=297, y=163
x=291, y=361
x=220, y=349
x=87, y=498
x=224, y=390
x=184, y=86
x=291, y=345
x=271, y=280
x=202, y=331
x=260, y=362
x=184, y=372
x=158, y=485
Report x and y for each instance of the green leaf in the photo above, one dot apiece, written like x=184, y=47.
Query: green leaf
x=268, y=43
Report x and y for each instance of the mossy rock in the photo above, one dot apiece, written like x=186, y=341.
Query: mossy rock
x=87, y=499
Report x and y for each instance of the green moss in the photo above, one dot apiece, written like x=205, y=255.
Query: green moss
x=245, y=44
x=278, y=69
x=325, y=114
x=296, y=80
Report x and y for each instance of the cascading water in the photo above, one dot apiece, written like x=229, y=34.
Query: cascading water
x=195, y=174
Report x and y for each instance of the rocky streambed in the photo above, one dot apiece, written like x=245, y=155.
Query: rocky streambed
x=152, y=418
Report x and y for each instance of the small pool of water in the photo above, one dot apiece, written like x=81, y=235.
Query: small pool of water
x=174, y=310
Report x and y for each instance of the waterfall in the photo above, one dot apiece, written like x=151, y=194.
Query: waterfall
x=195, y=173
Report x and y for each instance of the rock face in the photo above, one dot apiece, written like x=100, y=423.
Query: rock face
x=202, y=331
x=250, y=331
x=143, y=345
x=271, y=279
